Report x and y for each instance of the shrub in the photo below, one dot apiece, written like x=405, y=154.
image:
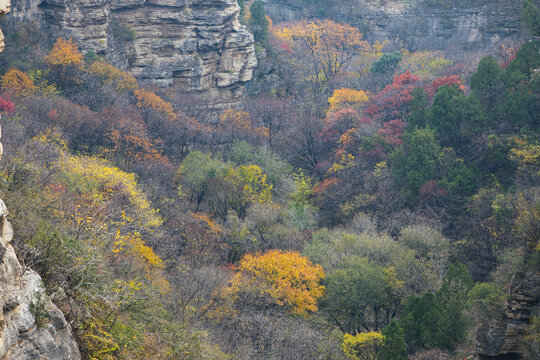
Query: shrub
x=387, y=64
x=109, y=74
x=122, y=32
x=17, y=83
x=38, y=308
x=362, y=346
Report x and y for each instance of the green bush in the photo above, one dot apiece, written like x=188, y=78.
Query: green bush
x=387, y=64
x=38, y=308
x=122, y=32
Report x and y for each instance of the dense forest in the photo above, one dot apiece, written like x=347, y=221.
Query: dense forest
x=363, y=200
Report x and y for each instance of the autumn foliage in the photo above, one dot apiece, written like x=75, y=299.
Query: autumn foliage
x=362, y=346
x=6, y=104
x=103, y=181
x=327, y=189
x=286, y=276
x=17, y=83
x=149, y=100
x=128, y=136
x=330, y=46
x=64, y=53
x=237, y=124
x=432, y=89
x=121, y=80
x=347, y=98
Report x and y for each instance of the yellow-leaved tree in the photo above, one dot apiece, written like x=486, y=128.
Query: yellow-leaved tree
x=247, y=185
x=101, y=180
x=121, y=80
x=345, y=98
x=64, y=53
x=252, y=182
x=17, y=83
x=286, y=278
x=64, y=61
x=330, y=47
x=362, y=346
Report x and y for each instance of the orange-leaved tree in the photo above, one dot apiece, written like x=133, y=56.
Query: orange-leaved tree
x=329, y=46
x=64, y=60
x=147, y=100
x=286, y=277
x=64, y=53
x=237, y=125
x=17, y=83
x=128, y=137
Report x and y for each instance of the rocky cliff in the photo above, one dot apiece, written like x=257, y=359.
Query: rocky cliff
x=418, y=24
x=191, y=45
x=31, y=326
x=503, y=337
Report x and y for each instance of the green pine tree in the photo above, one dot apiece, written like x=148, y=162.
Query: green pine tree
x=259, y=22
x=486, y=82
x=420, y=322
x=531, y=15
x=242, y=5
x=393, y=346
x=453, y=323
x=421, y=163
x=418, y=109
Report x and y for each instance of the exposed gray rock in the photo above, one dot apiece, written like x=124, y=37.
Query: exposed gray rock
x=503, y=337
x=5, y=7
x=418, y=24
x=31, y=326
x=191, y=45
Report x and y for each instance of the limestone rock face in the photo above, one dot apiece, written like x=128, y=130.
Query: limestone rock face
x=191, y=45
x=5, y=7
x=503, y=337
x=23, y=306
x=419, y=24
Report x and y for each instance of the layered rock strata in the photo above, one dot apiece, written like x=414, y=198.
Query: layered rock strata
x=505, y=337
x=418, y=24
x=191, y=45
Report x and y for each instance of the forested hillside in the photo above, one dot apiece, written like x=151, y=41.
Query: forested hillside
x=362, y=200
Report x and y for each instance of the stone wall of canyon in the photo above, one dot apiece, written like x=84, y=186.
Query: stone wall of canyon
x=417, y=24
x=191, y=45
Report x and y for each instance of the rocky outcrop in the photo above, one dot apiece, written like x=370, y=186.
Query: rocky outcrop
x=5, y=7
x=417, y=24
x=191, y=45
x=504, y=337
